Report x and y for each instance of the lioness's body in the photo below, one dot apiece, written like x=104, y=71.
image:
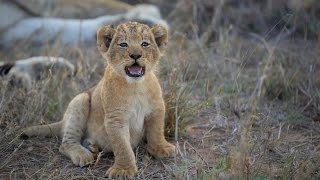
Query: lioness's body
x=124, y=106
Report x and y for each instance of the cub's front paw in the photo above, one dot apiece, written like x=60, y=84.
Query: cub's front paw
x=121, y=172
x=162, y=150
x=79, y=155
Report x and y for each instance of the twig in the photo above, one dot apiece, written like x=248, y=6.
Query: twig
x=98, y=159
x=197, y=153
x=280, y=130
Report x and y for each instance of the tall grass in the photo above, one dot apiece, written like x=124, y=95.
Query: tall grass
x=243, y=102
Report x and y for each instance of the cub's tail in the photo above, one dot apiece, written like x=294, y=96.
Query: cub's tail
x=49, y=130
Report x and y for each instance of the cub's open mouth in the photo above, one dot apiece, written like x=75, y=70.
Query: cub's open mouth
x=135, y=70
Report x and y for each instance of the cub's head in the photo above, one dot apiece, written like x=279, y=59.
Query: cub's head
x=132, y=49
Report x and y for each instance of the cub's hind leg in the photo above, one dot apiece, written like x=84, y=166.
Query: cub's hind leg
x=75, y=119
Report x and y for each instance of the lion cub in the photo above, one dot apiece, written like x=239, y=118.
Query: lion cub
x=125, y=105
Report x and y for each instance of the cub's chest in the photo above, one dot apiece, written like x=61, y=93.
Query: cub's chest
x=139, y=109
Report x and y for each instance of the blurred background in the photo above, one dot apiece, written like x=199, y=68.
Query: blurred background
x=241, y=82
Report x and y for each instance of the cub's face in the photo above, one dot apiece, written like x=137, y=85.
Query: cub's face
x=132, y=49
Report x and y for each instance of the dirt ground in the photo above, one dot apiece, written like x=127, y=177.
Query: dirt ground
x=242, y=87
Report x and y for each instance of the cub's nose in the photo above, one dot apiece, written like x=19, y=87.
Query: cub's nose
x=135, y=56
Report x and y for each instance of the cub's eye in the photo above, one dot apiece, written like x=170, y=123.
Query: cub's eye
x=123, y=45
x=145, y=44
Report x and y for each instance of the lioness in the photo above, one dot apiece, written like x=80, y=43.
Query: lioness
x=125, y=105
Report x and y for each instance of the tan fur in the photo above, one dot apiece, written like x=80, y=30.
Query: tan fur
x=120, y=110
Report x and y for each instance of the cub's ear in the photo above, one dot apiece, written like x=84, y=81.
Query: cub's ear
x=160, y=34
x=104, y=37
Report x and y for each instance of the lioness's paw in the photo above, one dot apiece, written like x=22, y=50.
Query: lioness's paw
x=81, y=157
x=121, y=172
x=162, y=150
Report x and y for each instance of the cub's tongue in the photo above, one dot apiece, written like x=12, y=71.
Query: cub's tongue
x=135, y=70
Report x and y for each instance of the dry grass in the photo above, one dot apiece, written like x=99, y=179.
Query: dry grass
x=241, y=103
